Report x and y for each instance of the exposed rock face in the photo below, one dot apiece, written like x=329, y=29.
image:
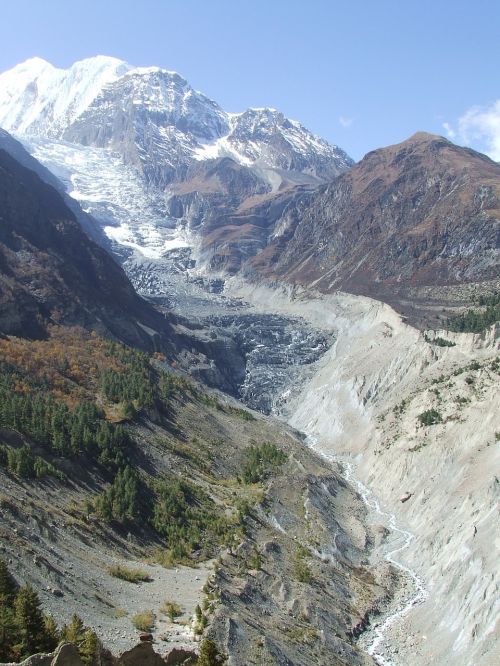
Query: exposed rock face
x=21, y=155
x=423, y=212
x=65, y=655
x=50, y=271
x=271, y=615
x=142, y=654
x=419, y=214
x=156, y=120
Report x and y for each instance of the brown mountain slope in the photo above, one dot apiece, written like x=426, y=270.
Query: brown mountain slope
x=50, y=271
x=421, y=213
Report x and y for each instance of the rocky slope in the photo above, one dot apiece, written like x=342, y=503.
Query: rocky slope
x=368, y=403
x=292, y=583
x=421, y=213
x=156, y=121
x=239, y=192
x=142, y=654
x=21, y=155
x=415, y=225
x=52, y=272
x=110, y=130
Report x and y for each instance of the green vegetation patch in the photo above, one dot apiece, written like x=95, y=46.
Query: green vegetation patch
x=301, y=570
x=476, y=321
x=22, y=462
x=172, y=610
x=121, y=500
x=262, y=462
x=430, y=417
x=129, y=574
x=144, y=621
x=304, y=635
x=26, y=630
x=188, y=519
x=439, y=342
x=209, y=654
x=51, y=423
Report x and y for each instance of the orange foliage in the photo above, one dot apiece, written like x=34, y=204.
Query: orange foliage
x=70, y=362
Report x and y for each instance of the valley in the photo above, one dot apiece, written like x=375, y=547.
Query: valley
x=293, y=313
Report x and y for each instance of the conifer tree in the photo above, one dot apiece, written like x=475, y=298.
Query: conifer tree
x=29, y=620
x=8, y=631
x=74, y=631
x=89, y=648
x=209, y=655
x=51, y=633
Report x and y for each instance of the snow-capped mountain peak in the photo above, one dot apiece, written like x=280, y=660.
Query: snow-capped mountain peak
x=151, y=157
x=105, y=102
x=39, y=99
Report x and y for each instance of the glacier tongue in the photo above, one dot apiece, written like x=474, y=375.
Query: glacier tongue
x=132, y=216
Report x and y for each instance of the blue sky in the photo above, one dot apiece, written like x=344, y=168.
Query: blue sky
x=363, y=74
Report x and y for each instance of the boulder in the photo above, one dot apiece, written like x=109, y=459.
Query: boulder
x=66, y=655
x=180, y=657
x=141, y=655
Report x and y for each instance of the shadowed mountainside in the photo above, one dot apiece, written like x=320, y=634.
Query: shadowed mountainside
x=50, y=271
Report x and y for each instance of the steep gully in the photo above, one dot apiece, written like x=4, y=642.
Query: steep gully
x=376, y=636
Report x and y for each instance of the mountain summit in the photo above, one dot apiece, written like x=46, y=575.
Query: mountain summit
x=150, y=114
x=152, y=159
x=418, y=214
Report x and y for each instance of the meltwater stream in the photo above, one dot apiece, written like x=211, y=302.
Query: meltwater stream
x=378, y=633
x=420, y=593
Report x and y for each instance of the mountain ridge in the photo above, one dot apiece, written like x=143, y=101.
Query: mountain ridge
x=419, y=213
x=39, y=99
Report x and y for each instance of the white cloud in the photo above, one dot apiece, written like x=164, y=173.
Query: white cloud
x=450, y=132
x=479, y=127
x=483, y=124
x=345, y=121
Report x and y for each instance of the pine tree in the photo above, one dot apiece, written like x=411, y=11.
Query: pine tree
x=74, y=631
x=51, y=633
x=29, y=620
x=198, y=613
x=89, y=648
x=8, y=631
x=209, y=655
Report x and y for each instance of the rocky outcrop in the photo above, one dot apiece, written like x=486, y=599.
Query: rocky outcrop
x=65, y=655
x=142, y=654
x=196, y=166
x=157, y=122
x=21, y=155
